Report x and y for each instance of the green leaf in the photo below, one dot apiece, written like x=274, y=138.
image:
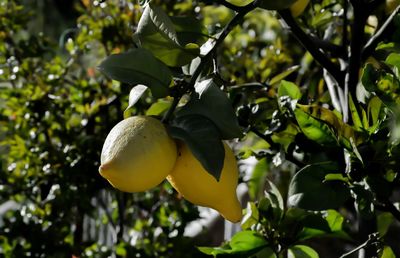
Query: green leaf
x=246, y=241
x=276, y=199
x=240, y=2
x=266, y=253
x=323, y=126
x=394, y=60
x=276, y=5
x=135, y=94
x=387, y=253
x=354, y=114
x=138, y=66
x=283, y=75
x=289, y=89
x=257, y=180
x=319, y=224
x=210, y=101
x=189, y=30
x=336, y=177
x=251, y=216
x=158, y=108
x=302, y=251
x=364, y=200
x=384, y=220
x=314, y=129
x=156, y=32
x=308, y=190
x=374, y=111
x=370, y=77
x=203, y=139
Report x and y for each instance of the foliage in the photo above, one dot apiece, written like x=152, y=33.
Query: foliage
x=322, y=123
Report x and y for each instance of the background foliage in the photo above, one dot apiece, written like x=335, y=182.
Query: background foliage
x=326, y=179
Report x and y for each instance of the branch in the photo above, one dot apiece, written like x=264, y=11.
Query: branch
x=311, y=47
x=375, y=39
x=228, y=28
x=372, y=239
x=389, y=207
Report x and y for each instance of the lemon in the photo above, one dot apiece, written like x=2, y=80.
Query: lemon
x=298, y=7
x=137, y=154
x=196, y=185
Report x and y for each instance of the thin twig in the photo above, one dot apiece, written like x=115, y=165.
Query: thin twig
x=373, y=239
x=311, y=47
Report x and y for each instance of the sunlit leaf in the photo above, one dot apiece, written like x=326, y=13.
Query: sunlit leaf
x=289, y=89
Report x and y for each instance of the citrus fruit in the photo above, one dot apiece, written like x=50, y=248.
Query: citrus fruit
x=298, y=7
x=196, y=185
x=137, y=154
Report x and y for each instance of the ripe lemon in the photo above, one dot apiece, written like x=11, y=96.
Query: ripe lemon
x=298, y=7
x=196, y=185
x=137, y=154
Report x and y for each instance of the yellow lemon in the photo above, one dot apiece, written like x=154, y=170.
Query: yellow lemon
x=137, y=154
x=196, y=185
x=298, y=7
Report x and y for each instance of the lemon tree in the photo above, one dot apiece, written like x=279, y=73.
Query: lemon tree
x=306, y=93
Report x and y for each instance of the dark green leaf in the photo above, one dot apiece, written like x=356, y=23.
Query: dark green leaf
x=203, y=139
x=302, y=251
x=156, y=32
x=370, y=77
x=189, y=30
x=384, y=220
x=308, y=190
x=138, y=66
x=210, y=101
x=354, y=114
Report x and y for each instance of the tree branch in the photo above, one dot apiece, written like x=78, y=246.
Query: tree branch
x=389, y=207
x=375, y=39
x=228, y=28
x=311, y=47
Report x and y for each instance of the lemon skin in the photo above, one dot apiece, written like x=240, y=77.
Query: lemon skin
x=196, y=185
x=137, y=154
